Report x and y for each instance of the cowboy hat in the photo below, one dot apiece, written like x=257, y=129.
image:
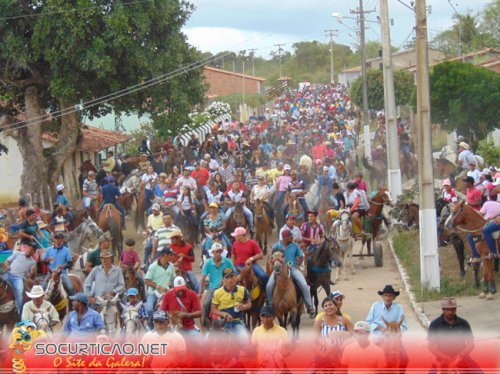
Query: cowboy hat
x=448, y=303
x=36, y=291
x=464, y=145
x=389, y=289
x=106, y=253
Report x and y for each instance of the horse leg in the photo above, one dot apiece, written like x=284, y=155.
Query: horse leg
x=369, y=246
x=475, y=269
x=349, y=253
x=295, y=325
x=458, y=245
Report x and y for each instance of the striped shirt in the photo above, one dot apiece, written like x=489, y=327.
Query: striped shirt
x=296, y=187
x=326, y=329
x=170, y=195
x=311, y=232
x=162, y=236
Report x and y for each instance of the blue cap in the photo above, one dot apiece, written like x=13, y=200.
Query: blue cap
x=132, y=292
x=110, y=179
x=267, y=310
x=80, y=296
x=160, y=315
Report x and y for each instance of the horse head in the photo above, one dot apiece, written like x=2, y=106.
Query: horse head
x=393, y=328
x=110, y=313
x=278, y=261
x=91, y=228
x=455, y=217
x=131, y=317
x=41, y=318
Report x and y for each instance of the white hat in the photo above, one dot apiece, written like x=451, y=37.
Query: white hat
x=60, y=187
x=179, y=284
x=36, y=291
x=486, y=172
x=464, y=145
x=362, y=326
x=156, y=207
x=287, y=167
x=217, y=247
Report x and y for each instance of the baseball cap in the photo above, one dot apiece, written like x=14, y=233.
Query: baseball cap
x=325, y=168
x=156, y=206
x=286, y=234
x=337, y=293
x=217, y=247
x=166, y=251
x=160, y=315
x=239, y=231
x=267, y=310
x=287, y=167
x=469, y=179
x=104, y=237
x=362, y=326
x=227, y=272
x=80, y=296
x=60, y=187
x=179, y=284
x=132, y=292
x=448, y=303
x=59, y=235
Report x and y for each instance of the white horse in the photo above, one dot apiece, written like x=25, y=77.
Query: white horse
x=342, y=232
x=110, y=315
x=42, y=320
x=87, y=229
x=131, y=321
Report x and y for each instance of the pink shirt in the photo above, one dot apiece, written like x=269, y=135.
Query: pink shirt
x=490, y=209
x=283, y=182
x=473, y=194
x=129, y=258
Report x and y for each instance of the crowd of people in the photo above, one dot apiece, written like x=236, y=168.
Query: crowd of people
x=305, y=140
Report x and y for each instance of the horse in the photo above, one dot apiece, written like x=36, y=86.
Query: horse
x=467, y=220
x=409, y=166
x=447, y=169
x=8, y=310
x=324, y=205
x=342, y=232
x=76, y=238
x=131, y=321
x=319, y=270
x=237, y=218
x=287, y=300
x=377, y=172
x=263, y=228
x=110, y=314
x=257, y=293
x=42, y=320
x=131, y=281
x=57, y=295
x=395, y=354
x=351, y=161
x=110, y=220
x=140, y=211
x=373, y=217
x=295, y=209
x=126, y=200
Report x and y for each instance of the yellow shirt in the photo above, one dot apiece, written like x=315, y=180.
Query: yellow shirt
x=155, y=222
x=273, y=174
x=276, y=335
x=109, y=164
x=320, y=316
x=226, y=301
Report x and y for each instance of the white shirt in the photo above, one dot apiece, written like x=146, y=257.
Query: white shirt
x=186, y=182
x=466, y=157
x=149, y=178
x=297, y=236
x=185, y=204
x=476, y=174
x=235, y=197
x=260, y=191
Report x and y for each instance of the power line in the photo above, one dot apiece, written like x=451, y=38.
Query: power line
x=49, y=13
x=117, y=94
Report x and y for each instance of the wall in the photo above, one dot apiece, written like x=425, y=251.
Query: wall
x=223, y=84
x=10, y=176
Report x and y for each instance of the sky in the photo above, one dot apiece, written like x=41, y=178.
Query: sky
x=234, y=25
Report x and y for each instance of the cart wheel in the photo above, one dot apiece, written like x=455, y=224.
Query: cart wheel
x=378, y=255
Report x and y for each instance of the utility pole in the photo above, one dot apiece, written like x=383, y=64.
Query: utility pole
x=394, y=170
x=252, y=54
x=279, y=54
x=331, y=34
x=429, y=259
x=459, y=20
x=361, y=21
x=242, y=53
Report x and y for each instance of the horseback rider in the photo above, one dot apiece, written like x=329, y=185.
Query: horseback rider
x=324, y=182
x=90, y=190
x=404, y=141
x=109, y=194
x=184, y=258
x=312, y=232
x=356, y=204
x=294, y=257
x=20, y=265
x=465, y=156
x=290, y=226
x=298, y=189
x=246, y=252
x=59, y=258
x=262, y=192
x=237, y=196
x=82, y=320
x=38, y=303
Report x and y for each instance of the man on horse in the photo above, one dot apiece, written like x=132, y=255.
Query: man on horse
x=246, y=252
x=356, y=204
x=312, y=232
x=59, y=258
x=237, y=196
x=90, y=190
x=37, y=304
x=94, y=257
x=105, y=280
x=294, y=257
x=20, y=265
x=82, y=320
x=109, y=194
x=183, y=306
x=262, y=192
x=229, y=302
x=184, y=258
x=297, y=188
x=465, y=156
x=290, y=226
x=162, y=237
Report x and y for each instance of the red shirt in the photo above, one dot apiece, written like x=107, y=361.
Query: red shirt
x=188, y=259
x=129, y=258
x=473, y=195
x=190, y=300
x=201, y=176
x=319, y=152
x=243, y=251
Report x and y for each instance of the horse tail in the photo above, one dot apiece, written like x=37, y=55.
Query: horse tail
x=115, y=231
x=366, y=164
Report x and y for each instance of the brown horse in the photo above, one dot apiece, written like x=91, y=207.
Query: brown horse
x=126, y=200
x=8, y=310
x=140, y=211
x=409, y=167
x=287, y=299
x=237, y=218
x=447, y=169
x=258, y=295
x=373, y=217
x=324, y=205
x=132, y=281
x=465, y=219
x=295, y=209
x=263, y=228
x=395, y=354
x=319, y=270
x=57, y=295
x=110, y=220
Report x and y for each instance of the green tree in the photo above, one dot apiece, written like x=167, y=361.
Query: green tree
x=56, y=54
x=465, y=98
x=404, y=87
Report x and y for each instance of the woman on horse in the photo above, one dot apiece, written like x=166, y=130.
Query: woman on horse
x=161, y=186
x=214, y=221
x=148, y=182
x=187, y=206
x=355, y=204
x=262, y=192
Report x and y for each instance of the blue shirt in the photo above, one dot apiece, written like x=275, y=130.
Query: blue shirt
x=61, y=199
x=109, y=193
x=215, y=272
x=158, y=191
x=91, y=322
x=292, y=251
x=393, y=314
x=60, y=255
x=266, y=148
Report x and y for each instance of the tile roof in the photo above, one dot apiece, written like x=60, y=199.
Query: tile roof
x=93, y=139
x=251, y=77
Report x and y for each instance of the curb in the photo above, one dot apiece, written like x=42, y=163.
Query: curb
x=417, y=308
